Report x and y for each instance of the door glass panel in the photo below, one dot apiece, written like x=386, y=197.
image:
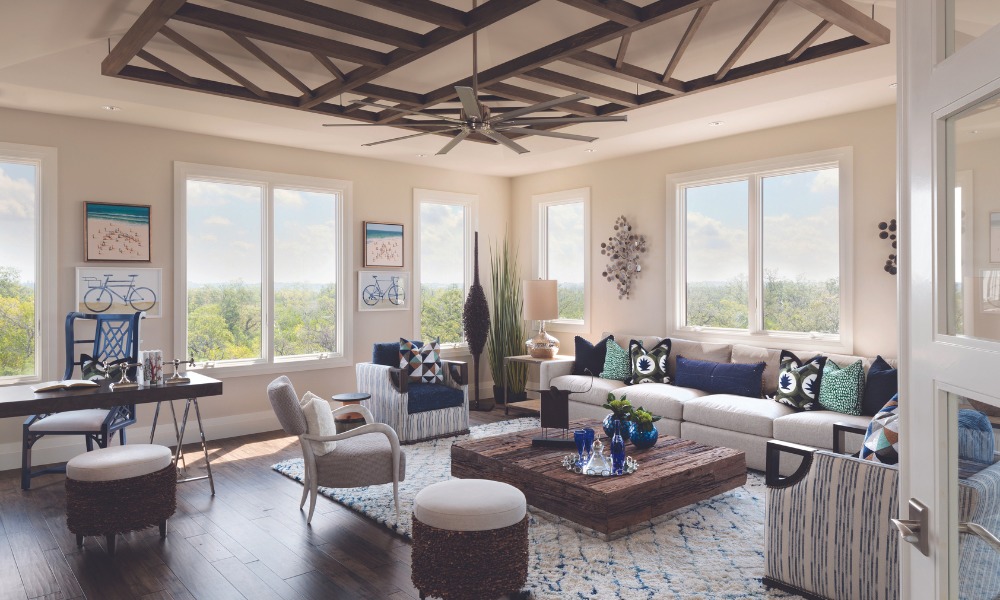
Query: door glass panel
x=972, y=224
x=969, y=19
x=975, y=498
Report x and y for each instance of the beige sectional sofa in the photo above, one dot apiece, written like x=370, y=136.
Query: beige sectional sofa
x=717, y=419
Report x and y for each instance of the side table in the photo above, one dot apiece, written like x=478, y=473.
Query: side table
x=348, y=421
x=543, y=377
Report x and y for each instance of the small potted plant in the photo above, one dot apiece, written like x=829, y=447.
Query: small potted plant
x=621, y=411
x=641, y=429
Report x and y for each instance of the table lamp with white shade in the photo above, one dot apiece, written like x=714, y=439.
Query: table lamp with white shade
x=541, y=303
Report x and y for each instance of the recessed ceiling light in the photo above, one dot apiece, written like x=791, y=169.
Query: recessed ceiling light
x=974, y=131
x=588, y=149
x=111, y=108
x=716, y=123
x=893, y=84
x=422, y=155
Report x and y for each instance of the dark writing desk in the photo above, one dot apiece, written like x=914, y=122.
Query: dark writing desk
x=21, y=401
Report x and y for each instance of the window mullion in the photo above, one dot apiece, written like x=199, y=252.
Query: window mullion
x=755, y=282
x=267, y=277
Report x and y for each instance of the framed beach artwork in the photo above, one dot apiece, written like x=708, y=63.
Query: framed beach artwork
x=116, y=232
x=383, y=244
x=383, y=290
x=119, y=290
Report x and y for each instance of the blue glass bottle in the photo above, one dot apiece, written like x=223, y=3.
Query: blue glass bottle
x=617, y=450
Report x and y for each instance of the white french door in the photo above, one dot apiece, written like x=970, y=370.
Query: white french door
x=949, y=290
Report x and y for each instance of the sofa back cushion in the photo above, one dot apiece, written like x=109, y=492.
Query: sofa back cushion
x=750, y=355
x=691, y=350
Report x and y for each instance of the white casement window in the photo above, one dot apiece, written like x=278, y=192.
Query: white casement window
x=29, y=324
x=764, y=252
x=262, y=269
x=444, y=224
x=561, y=247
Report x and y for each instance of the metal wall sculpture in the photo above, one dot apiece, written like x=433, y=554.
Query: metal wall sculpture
x=623, y=250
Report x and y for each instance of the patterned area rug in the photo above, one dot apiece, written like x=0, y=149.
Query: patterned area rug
x=710, y=550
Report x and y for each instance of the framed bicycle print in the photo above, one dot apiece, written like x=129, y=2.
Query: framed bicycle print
x=383, y=290
x=383, y=244
x=119, y=290
x=116, y=232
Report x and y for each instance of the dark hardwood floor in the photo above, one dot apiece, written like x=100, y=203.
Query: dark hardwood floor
x=249, y=541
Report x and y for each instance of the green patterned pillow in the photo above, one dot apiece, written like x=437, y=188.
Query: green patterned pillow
x=649, y=366
x=799, y=381
x=616, y=363
x=841, y=390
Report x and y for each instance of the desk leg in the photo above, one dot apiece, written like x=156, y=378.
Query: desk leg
x=204, y=445
x=156, y=417
x=179, y=453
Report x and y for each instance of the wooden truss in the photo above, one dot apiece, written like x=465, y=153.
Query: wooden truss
x=622, y=19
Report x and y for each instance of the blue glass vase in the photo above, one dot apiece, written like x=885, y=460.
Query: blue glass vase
x=617, y=449
x=642, y=439
x=609, y=427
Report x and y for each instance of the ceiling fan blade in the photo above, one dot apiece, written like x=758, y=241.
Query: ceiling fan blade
x=448, y=124
x=498, y=137
x=560, y=120
x=553, y=134
x=454, y=142
x=469, y=102
x=406, y=137
x=402, y=110
x=541, y=106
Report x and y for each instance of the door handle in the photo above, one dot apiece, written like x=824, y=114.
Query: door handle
x=982, y=532
x=914, y=529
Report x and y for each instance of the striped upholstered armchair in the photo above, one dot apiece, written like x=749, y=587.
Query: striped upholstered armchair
x=828, y=532
x=417, y=411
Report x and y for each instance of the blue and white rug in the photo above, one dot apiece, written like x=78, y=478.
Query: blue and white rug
x=712, y=550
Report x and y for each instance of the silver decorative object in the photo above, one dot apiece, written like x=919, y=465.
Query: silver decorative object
x=623, y=250
x=599, y=465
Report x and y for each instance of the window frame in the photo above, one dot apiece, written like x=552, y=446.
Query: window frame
x=268, y=181
x=539, y=249
x=754, y=172
x=47, y=320
x=471, y=204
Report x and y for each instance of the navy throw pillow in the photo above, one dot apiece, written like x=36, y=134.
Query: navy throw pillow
x=590, y=356
x=720, y=378
x=881, y=384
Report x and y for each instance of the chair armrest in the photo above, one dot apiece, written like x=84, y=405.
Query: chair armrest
x=839, y=434
x=382, y=428
x=399, y=380
x=457, y=371
x=367, y=371
x=772, y=475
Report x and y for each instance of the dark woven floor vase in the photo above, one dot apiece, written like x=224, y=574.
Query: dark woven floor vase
x=123, y=505
x=469, y=565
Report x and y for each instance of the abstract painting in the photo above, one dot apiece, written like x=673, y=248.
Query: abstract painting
x=116, y=232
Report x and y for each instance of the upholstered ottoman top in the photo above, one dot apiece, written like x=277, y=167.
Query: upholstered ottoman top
x=469, y=505
x=118, y=462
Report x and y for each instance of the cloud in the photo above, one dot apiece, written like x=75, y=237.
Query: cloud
x=803, y=247
x=289, y=198
x=210, y=193
x=716, y=252
x=209, y=238
x=565, y=243
x=218, y=220
x=17, y=197
x=825, y=181
x=245, y=246
x=442, y=243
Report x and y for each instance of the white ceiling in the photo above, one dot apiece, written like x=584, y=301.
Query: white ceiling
x=51, y=50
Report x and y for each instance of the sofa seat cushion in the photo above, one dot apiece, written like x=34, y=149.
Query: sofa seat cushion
x=736, y=413
x=660, y=399
x=423, y=397
x=597, y=395
x=815, y=428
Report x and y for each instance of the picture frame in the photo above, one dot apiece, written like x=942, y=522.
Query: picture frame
x=383, y=290
x=119, y=290
x=116, y=232
x=995, y=237
x=383, y=244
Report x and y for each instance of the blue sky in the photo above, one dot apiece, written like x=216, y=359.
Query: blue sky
x=442, y=245
x=17, y=218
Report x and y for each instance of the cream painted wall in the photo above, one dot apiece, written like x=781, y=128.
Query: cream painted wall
x=109, y=162
x=635, y=186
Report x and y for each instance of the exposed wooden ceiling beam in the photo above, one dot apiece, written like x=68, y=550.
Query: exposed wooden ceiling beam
x=329, y=66
x=164, y=65
x=749, y=38
x=424, y=10
x=275, y=34
x=575, y=84
x=622, y=49
x=849, y=19
x=398, y=96
x=619, y=11
x=266, y=58
x=603, y=64
x=478, y=18
x=682, y=46
x=220, y=66
x=808, y=41
x=521, y=94
x=338, y=20
x=145, y=27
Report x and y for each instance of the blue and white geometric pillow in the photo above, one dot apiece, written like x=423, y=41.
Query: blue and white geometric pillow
x=422, y=362
x=649, y=366
x=798, y=381
x=882, y=438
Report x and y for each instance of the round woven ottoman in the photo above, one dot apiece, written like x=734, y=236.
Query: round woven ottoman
x=120, y=489
x=470, y=540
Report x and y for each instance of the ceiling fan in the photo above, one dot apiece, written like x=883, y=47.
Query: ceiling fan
x=475, y=117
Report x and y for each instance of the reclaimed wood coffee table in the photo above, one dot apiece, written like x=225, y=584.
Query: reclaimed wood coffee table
x=672, y=474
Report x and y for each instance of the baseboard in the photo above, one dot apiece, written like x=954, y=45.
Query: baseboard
x=58, y=449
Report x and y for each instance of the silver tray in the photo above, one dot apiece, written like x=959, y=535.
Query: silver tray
x=569, y=462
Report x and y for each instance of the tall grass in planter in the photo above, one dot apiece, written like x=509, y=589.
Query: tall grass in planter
x=506, y=337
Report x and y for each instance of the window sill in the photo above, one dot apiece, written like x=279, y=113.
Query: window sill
x=784, y=340
x=223, y=371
